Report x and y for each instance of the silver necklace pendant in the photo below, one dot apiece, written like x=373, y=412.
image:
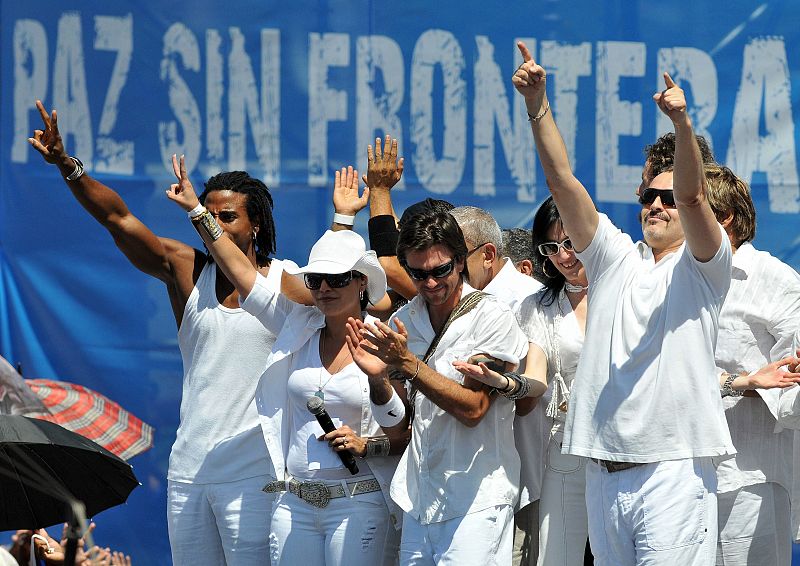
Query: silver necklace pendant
x=320, y=394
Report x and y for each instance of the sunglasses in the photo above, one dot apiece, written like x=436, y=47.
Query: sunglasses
x=648, y=197
x=551, y=248
x=334, y=280
x=437, y=272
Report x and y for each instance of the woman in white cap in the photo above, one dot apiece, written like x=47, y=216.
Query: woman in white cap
x=324, y=513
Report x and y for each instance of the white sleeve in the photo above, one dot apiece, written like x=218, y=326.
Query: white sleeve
x=608, y=247
x=265, y=300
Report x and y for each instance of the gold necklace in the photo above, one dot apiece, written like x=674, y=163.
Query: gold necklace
x=321, y=386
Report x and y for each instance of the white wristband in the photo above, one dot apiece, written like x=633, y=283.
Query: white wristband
x=343, y=219
x=196, y=211
x=392, y=413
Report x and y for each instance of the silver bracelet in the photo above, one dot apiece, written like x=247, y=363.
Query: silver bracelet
x=208, y=224
x=377, y=446
x=727, y=387
x=78, y=172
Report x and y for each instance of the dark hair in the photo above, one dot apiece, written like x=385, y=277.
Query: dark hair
x=258, y=206
x=428, y=228
x=429, y=204
x=728, y=194
x=661, y=155
x=517, y=244
x=545, y=217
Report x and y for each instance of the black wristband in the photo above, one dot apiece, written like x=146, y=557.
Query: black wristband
x=383, y=235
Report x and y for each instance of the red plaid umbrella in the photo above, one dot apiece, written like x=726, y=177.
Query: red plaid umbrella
x=93, y=416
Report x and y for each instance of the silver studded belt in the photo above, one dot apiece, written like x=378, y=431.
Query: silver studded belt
x=319, y=494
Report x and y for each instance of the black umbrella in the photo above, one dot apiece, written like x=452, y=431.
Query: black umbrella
x=43, y=467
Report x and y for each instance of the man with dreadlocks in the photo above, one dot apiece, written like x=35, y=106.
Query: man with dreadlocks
x=217, y=513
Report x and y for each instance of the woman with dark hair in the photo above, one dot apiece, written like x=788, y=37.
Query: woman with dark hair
x=554, y=319
x=325, y=513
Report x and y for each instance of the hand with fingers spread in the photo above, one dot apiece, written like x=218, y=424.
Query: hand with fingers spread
x=182, y=192
x=672, y=101
x=343, y=438
x=48, y=141
x=530, y=80
x=345, y=192
x=383, y=168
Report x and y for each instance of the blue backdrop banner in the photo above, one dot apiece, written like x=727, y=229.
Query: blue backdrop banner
x=290, y=91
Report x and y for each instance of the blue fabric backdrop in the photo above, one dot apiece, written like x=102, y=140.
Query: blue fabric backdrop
x=293, y=90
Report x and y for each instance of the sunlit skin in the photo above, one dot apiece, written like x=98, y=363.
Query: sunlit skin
x=479, y=275
x=661, y=226
x=566, y=261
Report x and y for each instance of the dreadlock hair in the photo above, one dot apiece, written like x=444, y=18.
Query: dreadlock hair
x=258, y=206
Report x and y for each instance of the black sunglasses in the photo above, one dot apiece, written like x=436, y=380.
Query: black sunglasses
x=551, y=248
x=648, y=197
x=334, y=280
x=437, y=272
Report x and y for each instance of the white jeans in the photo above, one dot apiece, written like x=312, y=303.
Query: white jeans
x=351, y=531
x=484, y=538
x=219, y=523
x=653, y=514
x=563, y=522
x=755, y=526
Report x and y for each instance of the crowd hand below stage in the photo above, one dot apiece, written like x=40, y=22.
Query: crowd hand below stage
x=53, y=552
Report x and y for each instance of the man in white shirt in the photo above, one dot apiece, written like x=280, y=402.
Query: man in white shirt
x=645, y=406
x=457, y=480
x=497, y=275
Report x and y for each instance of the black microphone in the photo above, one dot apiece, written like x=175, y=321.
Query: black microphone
x=317, y=408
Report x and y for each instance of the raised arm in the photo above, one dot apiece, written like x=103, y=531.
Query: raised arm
x=575, y=206
x=231, y=260
x=346, y=201
x=700, y=227
x=384, y=171
x=159, y=257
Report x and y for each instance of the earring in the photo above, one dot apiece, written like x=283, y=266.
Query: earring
x=361, y=295
x=254, y=235
x=544, y=270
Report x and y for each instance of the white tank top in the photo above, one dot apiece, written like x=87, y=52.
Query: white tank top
x=224, y=353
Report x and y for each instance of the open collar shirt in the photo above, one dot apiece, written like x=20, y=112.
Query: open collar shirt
x=448, y=469
x=756, y=327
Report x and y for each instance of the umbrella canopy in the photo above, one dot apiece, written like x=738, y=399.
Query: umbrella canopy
x=94, y=416
x=43, y=466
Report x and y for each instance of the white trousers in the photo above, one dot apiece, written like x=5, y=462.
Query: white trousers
x=664, y=513
x=350, y=531
x=483, y=538
x=755, y=526
x=220, y=523
x=563, y=521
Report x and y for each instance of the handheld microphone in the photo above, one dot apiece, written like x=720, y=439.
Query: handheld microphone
x=316, y=407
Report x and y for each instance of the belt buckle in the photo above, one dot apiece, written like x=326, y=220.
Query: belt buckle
x=315, y=493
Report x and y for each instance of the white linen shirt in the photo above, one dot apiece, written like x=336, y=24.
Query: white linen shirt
x=646, y=388
x=530, y=431
x=756, y=327
x=295, y=325
x=449, y=469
